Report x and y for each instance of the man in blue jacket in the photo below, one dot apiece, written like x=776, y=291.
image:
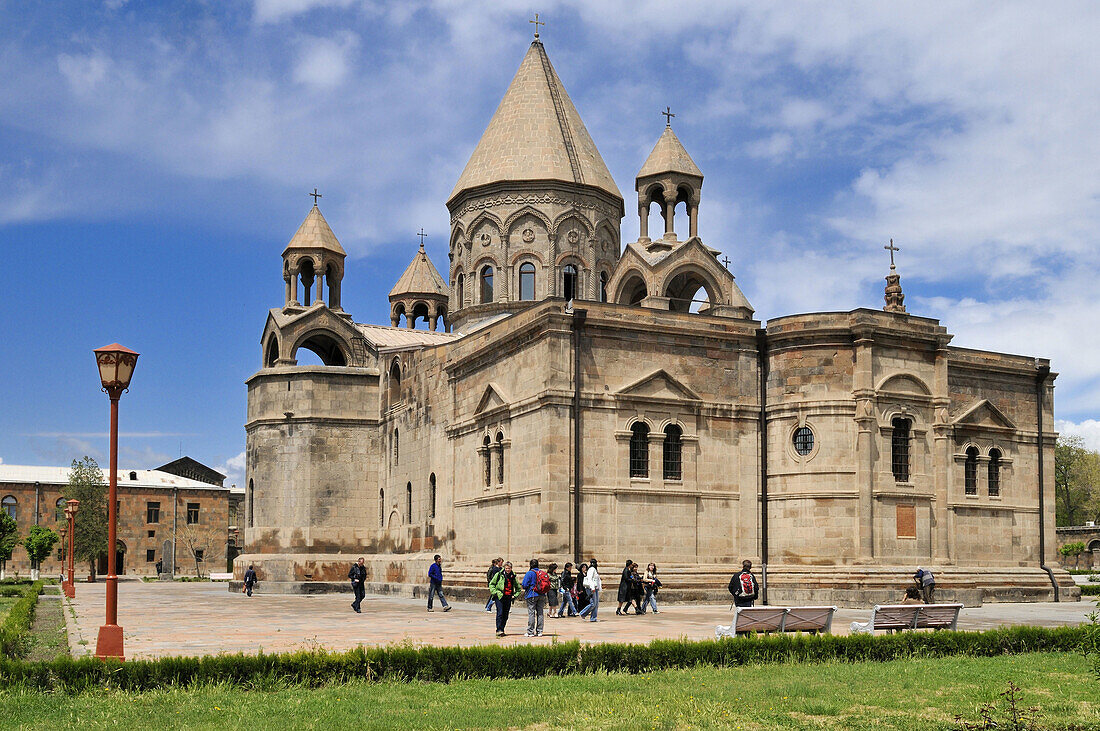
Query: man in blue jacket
x=435, y=583
x=536, y=600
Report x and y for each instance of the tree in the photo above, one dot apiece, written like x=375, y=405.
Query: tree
x=203, y=543
x=9, y=539
x=1074, y=549
x=86, y=485
x=1076, y=481
x=39, y=542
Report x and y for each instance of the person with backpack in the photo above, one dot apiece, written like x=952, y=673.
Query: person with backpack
x=555, y=587
x=435, y=583
x=494, y=567
x=927, y=583
x=743, y=586
x=503, y=588
x=593, y=584
x=536, y=585
x=566, y=592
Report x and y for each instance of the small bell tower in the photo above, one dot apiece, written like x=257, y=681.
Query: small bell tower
x=668, y=177
x=313, y=258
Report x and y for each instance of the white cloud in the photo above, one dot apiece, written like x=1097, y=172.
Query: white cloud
x=273, y=11
x=84, y=72
x=1088, y=430
x=324, y=62
x=233, y=469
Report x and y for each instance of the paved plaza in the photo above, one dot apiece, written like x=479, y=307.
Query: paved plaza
x=161, y=619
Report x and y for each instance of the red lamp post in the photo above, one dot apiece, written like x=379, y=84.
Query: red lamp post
x=116, y=367
x=70, y=515
x=64, y=531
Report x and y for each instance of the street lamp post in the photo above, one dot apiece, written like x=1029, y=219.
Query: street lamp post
x=64, y=531
x=71, y=507
x=116, y=367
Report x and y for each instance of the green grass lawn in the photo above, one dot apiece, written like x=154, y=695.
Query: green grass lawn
x=909, y=694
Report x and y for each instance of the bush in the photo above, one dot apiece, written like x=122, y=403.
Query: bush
x=443, y=664
x=15, y=631
x=1087, y=590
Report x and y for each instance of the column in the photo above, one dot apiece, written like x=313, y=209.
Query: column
x=289, y=298
x=670, y=215
x=643, y=221
x=333, y=292
x=432, y=313
x=865, y=446
x=294, y=288
x=319, y=284
x=693, y=219
x=941, y=461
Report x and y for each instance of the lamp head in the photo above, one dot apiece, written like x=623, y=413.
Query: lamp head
x=116, y=367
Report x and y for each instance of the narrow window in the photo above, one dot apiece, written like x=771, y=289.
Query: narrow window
x=152, y=512
x=970, y=471
x=382, y=507
x=133, y=475
x=569, y=282
x=461, y=289
x=395, y=382
x=486, y=284
x=803, y=440
x=199, y=554
x=9, y=504
x=396, y=447
x=639, y=450
x=603, y=286
x=527, y=281
x=488, y=462
x=673, y=447
x=150, y=555
x=899, y=450
x=994, y=472
x=251, y=504
x=59, y=510
x=431, y=496
x=192, y=513
x=409, y=502
x=500, y=458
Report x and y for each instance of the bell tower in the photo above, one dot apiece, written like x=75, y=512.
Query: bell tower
x=668, y=177
x=312, y=259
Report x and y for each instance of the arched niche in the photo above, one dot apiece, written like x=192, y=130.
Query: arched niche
x=683, y=288
x=325, y=346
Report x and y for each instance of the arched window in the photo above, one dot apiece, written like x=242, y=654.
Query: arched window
x=59, y=511
x=395, y=382
x=899, y=449
x=431, y=496
x=396, y=447
x=970, y=471
x=569, y=282
x=500, y=458
x=486, y=284
x=639, y=450
x=382, y=507
x=8, y=505
x=603, y=286
x=527, y=281
x=409, y=503
x=994, y=472
x=461, y=289
x=133, y=475
x=251, y=504
x=673, y=447
x=488, y=461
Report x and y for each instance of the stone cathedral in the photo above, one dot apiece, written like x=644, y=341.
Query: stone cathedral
x=561, y=394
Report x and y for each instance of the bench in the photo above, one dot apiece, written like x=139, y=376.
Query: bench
x=778, y=619
x=910, y=616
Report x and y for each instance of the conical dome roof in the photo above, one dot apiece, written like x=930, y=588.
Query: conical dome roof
x=421, y=278
x=536, y=134
x=669, y=156
x=314, y=233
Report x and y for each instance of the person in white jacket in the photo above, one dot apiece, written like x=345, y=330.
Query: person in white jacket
x=594, y=585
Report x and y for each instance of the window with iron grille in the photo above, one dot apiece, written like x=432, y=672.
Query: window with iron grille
x=639, y=450
x=396, y=446
x=409, y=503
x=382, y=507
x=500, y=458
x=192, y=513
x=673, y=448
x=488, y=462
x=970, y=471
x=431, y=496
x=152, y=512
x=994, y=472
x=803, y=440
x=899, y=449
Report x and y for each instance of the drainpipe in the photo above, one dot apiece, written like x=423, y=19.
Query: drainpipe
x=762, y=365
x=578, y=322
x=1040, y=382
x=37, y=496
x=175, y=511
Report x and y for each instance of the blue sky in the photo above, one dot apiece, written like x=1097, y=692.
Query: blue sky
x=155, y=159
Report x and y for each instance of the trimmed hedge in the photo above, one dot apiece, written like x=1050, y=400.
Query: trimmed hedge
x=443, y=664
x=15, y=631
x=1088, y=590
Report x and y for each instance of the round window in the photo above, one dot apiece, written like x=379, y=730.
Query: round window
x=803, y=440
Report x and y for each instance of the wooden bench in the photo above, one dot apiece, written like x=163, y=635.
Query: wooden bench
x=778, y=619
x=897, y=617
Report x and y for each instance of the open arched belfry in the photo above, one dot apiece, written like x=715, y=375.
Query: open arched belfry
x=573, y=396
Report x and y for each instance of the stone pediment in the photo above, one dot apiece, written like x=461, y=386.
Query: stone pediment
x=493, y=398
x=658, y=385
x=904, y=384
x=984, y=414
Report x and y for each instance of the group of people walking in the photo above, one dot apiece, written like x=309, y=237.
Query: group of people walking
x=638, y=589
x=546, y=593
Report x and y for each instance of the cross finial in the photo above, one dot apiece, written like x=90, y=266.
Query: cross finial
x=537, y=23
x=422, y=236
x=315, y=195
x=668, y=116
x=726, y=262
x=891, y=248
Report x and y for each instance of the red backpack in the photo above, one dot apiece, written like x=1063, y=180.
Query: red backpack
x=746, y=584
x=542, y=582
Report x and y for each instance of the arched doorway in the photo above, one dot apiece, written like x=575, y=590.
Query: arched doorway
x=120, y=565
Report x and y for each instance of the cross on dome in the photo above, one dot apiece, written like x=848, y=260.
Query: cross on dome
x=422, y=236
x=537, y=23
x=315, y=195
x=891, y=248
x=668, y=116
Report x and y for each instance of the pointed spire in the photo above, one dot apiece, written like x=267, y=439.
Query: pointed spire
x=420, y=277
x=536, y=134
x=895, y=298
x=669, y=156
x=315, y=233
